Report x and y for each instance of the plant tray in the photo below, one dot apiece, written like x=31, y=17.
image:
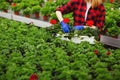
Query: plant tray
x=115, y=42
x=77, y=39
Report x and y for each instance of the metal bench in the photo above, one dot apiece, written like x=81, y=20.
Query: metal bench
x=115, y=42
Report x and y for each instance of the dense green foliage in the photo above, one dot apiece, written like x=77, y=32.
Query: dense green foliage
x=26, y=49
x=112, y=19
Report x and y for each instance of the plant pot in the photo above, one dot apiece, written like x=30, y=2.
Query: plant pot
x=118, y=23
x=37, y=15
x=8, y=0
x=27, y=16
x=6, y=11
x=45, y=18
x=16, y=12
x=115, y=37
x=50, y=0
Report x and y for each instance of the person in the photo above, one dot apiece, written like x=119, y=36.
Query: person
x=83, y=11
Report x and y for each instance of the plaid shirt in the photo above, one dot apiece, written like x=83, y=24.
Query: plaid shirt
x=78, y=7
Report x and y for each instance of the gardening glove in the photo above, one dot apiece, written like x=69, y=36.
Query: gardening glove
x=78, y=27
x=65, y=27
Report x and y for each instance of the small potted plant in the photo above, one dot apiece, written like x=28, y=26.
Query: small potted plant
x=27, y=12
x=16, y=8
x=45, y=12
x=23, y=5
x=36, y=11
x=48, y=9
x=4, y=6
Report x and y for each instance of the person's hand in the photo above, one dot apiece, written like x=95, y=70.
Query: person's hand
x=65, y=27
x=78, y=27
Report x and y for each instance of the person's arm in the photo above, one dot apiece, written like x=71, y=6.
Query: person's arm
x=65, y=27
x=60, y=18
x=59, y=15
x=67, y=8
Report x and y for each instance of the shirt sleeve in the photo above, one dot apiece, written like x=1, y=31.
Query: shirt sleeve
x=101, y=17
x=67, y=8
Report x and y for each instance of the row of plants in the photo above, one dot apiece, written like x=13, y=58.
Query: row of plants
x=29, y=7
x=29, y=52
x=47, y=9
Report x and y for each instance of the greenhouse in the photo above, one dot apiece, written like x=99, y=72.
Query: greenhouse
x=34, y=44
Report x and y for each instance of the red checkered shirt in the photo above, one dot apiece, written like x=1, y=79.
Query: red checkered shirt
x=78, y=7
